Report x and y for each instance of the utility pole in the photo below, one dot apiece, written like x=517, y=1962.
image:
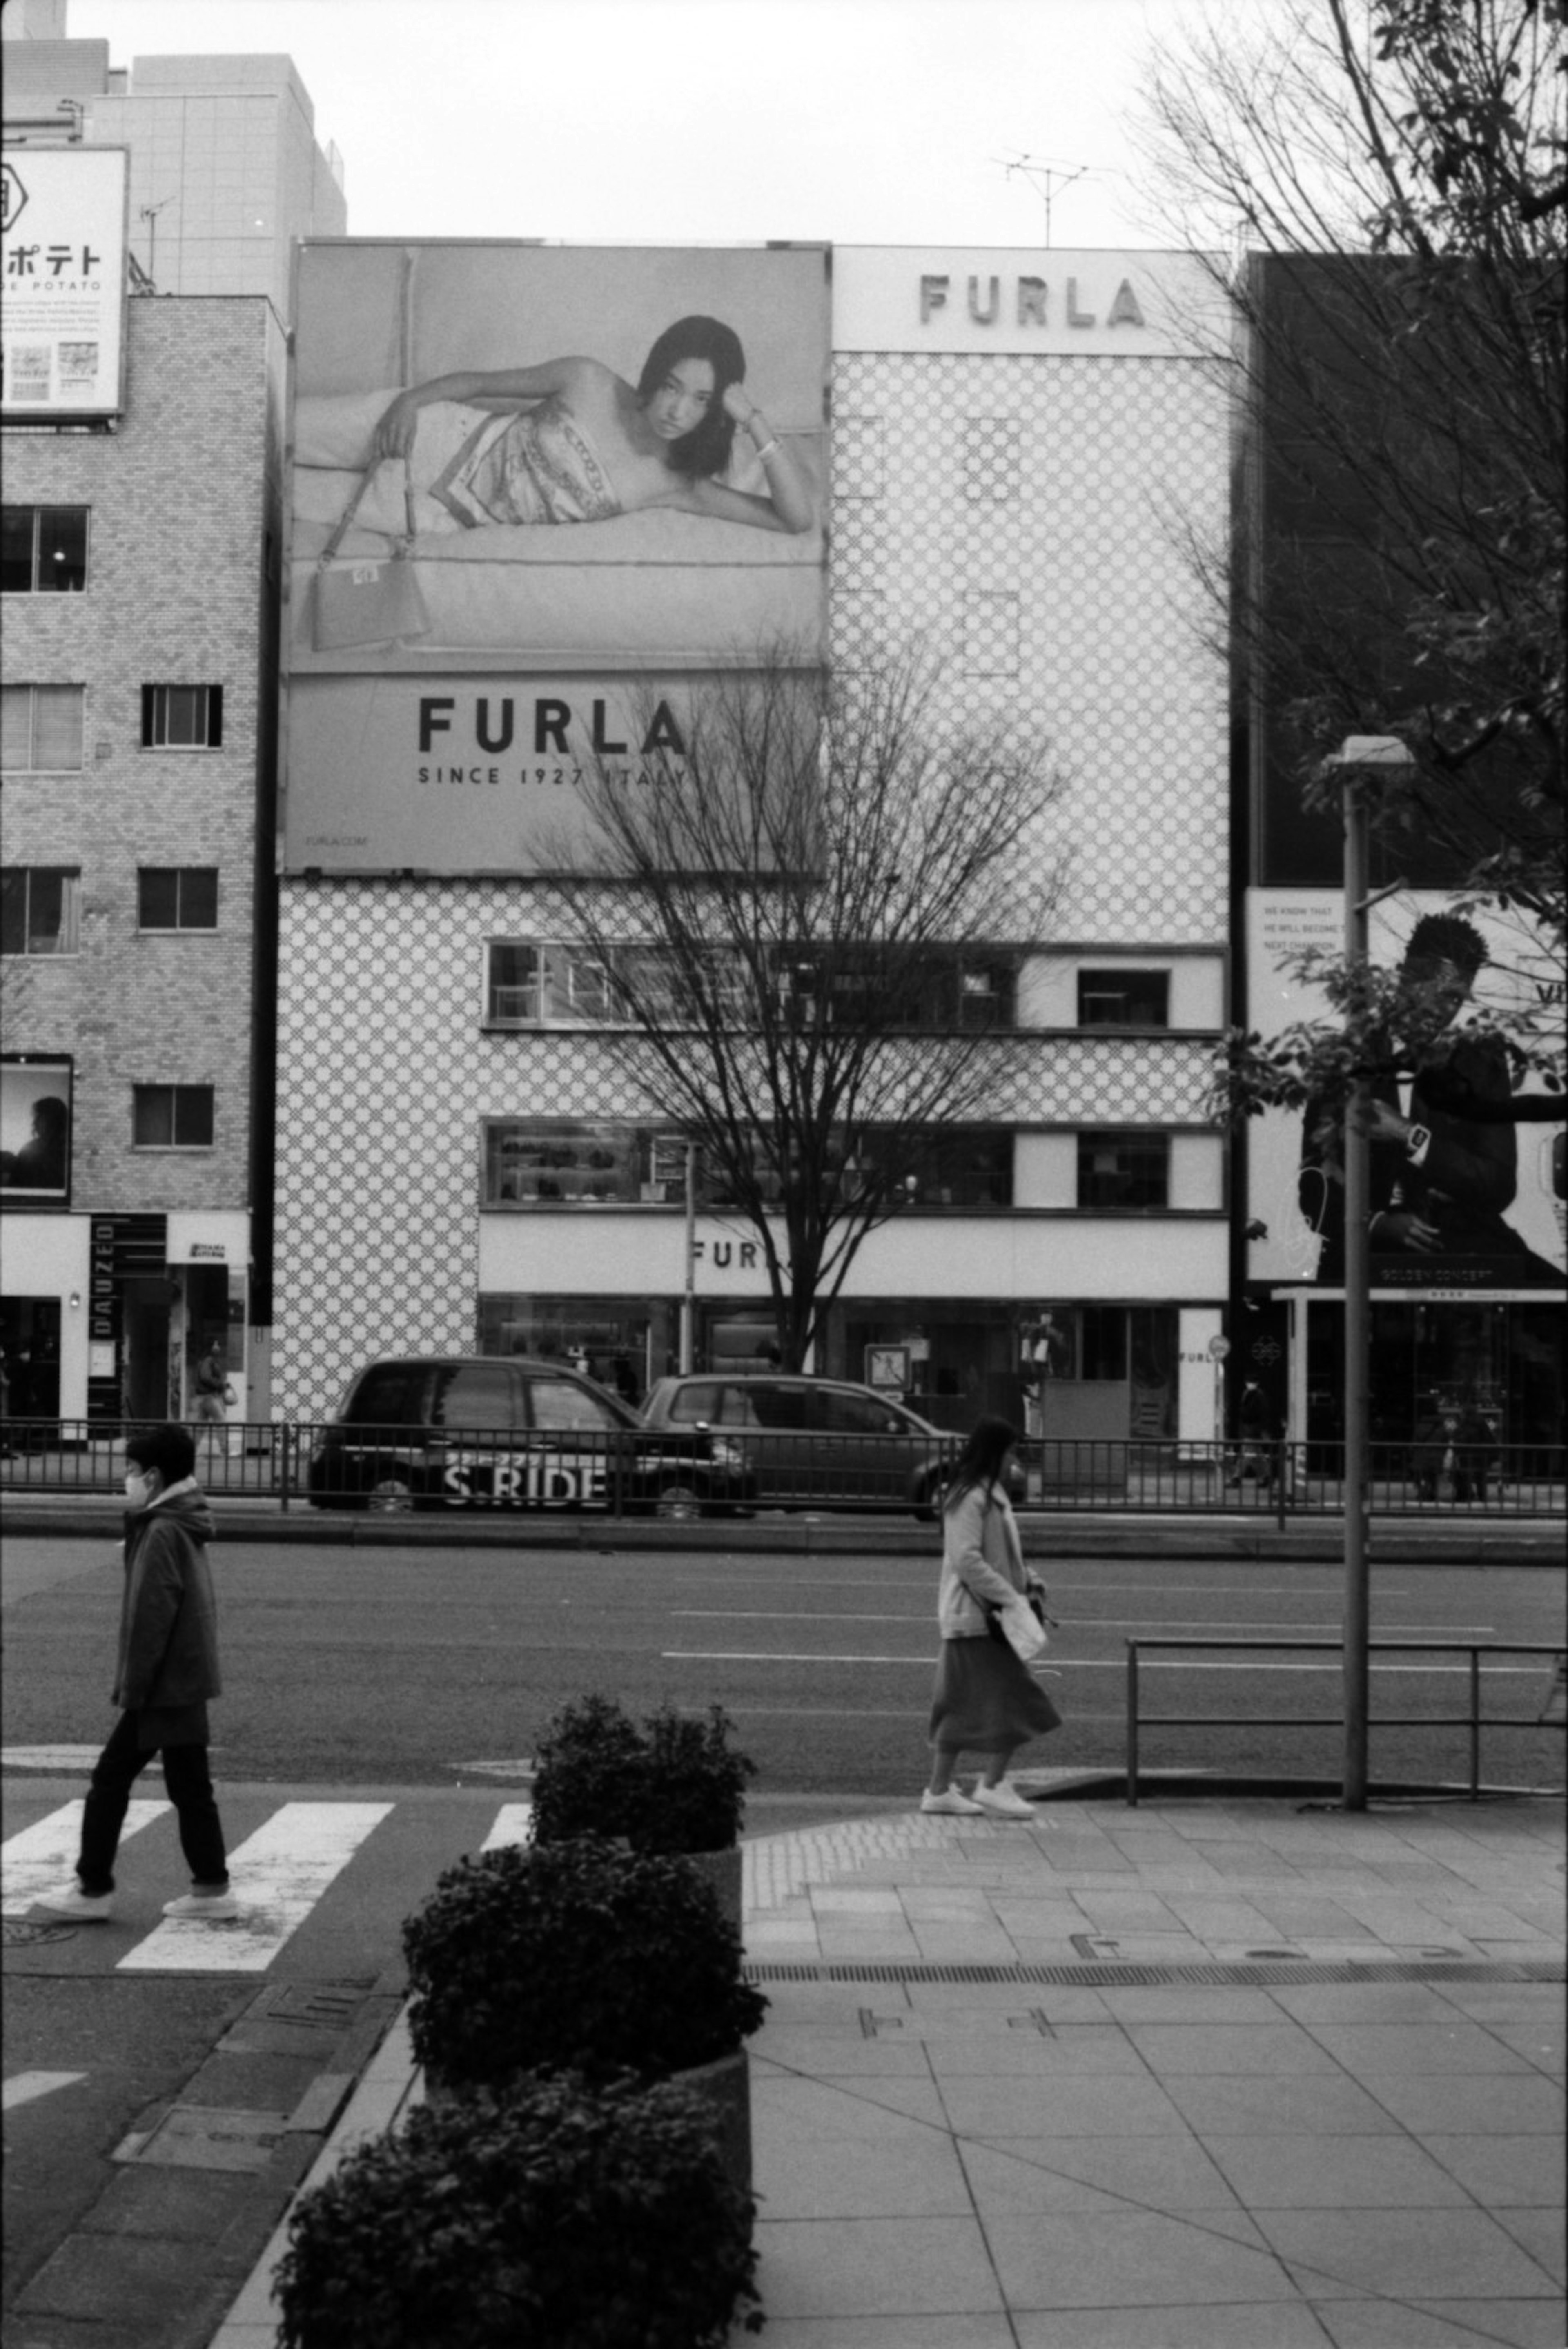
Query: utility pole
x=1358, y=766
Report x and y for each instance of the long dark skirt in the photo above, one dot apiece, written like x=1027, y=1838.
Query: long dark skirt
x=986, y=1701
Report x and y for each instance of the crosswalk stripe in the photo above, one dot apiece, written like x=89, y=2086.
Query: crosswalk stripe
x=42, y=1859
x=513, y=1824
x=28, y=2086
x=278, y=1875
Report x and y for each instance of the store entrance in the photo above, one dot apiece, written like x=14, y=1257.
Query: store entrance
x=30, y=1338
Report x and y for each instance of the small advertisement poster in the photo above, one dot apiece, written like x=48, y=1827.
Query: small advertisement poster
x=1466, y=1172
x=35, y=1133
x=523, y=480
x=62, y=285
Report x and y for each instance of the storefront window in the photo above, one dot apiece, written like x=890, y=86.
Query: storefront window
x=624, y=1342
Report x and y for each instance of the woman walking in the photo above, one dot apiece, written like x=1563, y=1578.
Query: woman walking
x=986, y=1701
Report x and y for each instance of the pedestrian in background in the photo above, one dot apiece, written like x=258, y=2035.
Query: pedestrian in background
x=166, y=1673
x=986, y=1701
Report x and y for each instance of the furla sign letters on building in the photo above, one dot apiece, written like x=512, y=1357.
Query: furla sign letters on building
x=1098, y=305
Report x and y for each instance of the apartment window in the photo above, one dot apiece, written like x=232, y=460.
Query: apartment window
x=177, y=897
x=181, y=716
x=41, y=729
x=1124, y=1170
x=43, y=550
x=39, y=909
x=1123, y=998
x=171, y=1117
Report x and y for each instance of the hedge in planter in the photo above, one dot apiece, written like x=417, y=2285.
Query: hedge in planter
x=677, y=1784
x=574, y=1955
x=567, y=2218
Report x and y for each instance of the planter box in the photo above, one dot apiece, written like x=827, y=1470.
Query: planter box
x=721, y=1869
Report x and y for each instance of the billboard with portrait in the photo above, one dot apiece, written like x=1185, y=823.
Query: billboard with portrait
x=63, y=225
x=523, y=479
x=34, y=1131
x=1466, y=1161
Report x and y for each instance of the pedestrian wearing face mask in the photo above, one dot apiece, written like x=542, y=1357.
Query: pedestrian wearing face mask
x=166, y=1670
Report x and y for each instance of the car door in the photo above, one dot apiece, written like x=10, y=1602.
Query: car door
x=574, y=1457
x=867, y=1455
x=786, y=1469
x=474, y=1407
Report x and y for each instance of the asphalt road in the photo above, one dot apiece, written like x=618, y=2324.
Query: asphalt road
x=438, y=1667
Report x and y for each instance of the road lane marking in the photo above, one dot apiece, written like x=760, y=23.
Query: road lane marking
x=513, y=1824
x=1148, y=1625
x=42, y=1859
x=28, y=2086
x=279, y=1874
x=61, y=1758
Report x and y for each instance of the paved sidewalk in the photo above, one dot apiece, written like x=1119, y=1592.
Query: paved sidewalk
x=1214, y=2074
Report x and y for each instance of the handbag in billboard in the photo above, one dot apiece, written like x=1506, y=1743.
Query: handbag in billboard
x=367, y=599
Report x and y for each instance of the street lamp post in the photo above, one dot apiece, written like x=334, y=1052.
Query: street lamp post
x=1363, y=760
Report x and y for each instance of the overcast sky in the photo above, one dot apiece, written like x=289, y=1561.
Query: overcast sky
x=857, y=121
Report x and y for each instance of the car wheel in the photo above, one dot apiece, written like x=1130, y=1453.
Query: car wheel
x=678, y=1500
x=390, y=1496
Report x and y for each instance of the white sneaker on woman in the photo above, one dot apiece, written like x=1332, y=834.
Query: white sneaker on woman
x=1002, y=1801
x=952, y=1804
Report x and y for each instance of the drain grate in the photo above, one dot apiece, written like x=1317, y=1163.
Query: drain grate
x=1107, y=1975
x=20, y=1935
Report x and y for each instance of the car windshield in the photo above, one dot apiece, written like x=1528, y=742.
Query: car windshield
x=562, y=1402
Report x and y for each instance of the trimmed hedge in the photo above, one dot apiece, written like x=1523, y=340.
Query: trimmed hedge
x=677, y=1784
x=574, y=1956
x=568, y=2217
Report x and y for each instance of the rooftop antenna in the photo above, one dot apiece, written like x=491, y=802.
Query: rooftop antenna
x=1048, y=176
x=150, y=213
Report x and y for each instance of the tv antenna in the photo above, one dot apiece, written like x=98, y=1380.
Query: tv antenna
x=1048, y=176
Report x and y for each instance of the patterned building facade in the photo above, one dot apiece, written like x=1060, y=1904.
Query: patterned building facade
x=1012, y=490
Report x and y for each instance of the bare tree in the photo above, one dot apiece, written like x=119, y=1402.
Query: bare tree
x=806, y=914
x=1385, y=179
x=1404, y=160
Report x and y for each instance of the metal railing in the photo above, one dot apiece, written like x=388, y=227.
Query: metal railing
x=1472, y=1720
x=1282, y=1482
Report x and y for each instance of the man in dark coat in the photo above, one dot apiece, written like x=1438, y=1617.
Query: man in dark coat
x=1441, y=1177
x=166, y=1670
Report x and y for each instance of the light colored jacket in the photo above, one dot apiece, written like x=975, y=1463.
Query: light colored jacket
x=983, y=1561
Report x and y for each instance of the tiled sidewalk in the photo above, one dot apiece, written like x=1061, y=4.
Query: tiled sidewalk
x=985, y=2135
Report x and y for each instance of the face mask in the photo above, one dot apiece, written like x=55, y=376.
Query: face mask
x=135, y=1490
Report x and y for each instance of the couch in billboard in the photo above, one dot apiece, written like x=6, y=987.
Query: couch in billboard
x=589, y=458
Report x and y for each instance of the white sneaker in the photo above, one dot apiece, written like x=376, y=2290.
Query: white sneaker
x=78, y=1907
x=1002, y=1801
x=953, y=1804
x=215, y=1906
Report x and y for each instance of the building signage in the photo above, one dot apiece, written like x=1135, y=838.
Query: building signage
x=522, y=477
x=1462, y=1204
x=62, y=282
x=1093, y=304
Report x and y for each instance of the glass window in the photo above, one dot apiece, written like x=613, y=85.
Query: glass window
x=475, y=1396
x=853, y=1414
x=1123, y=998
x=181, y=716
x=562, y=1402
x=387, y=1396
x=171, y=1117
x=40, y=906
x=1124, y=1170
x=531, y=985
x=551, y=1161
x=43, y=550
x=41, y=729
x=177, y=897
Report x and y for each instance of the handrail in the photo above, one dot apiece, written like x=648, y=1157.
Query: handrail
x=1474, y=1721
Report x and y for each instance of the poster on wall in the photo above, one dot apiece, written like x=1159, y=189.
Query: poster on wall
x=524, y=479
x=1467, y=1195
x=63, y=225
x=34, y=1131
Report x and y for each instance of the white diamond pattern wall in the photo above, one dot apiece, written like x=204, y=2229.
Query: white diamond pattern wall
x=1114, y=458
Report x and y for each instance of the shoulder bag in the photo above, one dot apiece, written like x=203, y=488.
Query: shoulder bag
x=368, y=599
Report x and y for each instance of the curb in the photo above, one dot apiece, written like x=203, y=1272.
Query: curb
x=1063, y=1534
